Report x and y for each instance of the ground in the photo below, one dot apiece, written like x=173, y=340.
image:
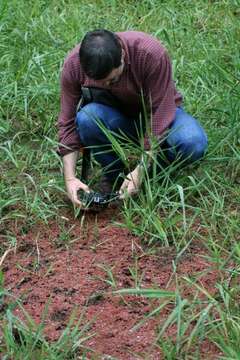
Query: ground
x=79, y=269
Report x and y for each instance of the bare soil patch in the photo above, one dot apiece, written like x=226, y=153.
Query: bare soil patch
x=62, y=265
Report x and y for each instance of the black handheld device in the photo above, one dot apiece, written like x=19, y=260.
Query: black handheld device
x=93, y=200
x=97, y=200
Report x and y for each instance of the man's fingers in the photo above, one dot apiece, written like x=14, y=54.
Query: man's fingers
x=124, y=190
x=85, y=188
x=129, y=189
x=124, y=185
x=122, y=195
x=73, y=186
x=76, y=201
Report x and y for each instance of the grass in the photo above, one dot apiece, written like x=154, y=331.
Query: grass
x=203, y=40
x=23, y=338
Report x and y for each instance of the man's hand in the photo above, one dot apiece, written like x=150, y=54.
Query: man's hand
x=132, y=183
x=72, y=183
x=72, y=187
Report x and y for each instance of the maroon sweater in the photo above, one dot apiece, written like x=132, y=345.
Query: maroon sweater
x=147, y=71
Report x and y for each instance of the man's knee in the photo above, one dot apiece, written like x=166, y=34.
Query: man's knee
x=87, y=116
x=187, y=138
x=193, y=148
x=87, y=122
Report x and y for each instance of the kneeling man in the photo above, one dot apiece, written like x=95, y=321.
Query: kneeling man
x=113, y=74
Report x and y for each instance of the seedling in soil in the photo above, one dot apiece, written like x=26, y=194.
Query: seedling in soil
x=65, y=236
x=12, y=240
x=31, y=267
x=94, y=299
x=136, y=276
x=96, y=231
x=96, y=236
x=50, y=270
x=110, y=278
x=84, y=228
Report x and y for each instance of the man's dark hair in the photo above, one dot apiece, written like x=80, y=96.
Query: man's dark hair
x=100, y=52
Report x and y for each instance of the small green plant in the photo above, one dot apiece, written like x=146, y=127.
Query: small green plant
x=65, y=237
x=136, y=276
x=110, y=280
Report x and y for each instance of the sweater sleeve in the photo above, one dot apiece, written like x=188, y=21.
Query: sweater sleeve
x=69, y=140
x=159, y=88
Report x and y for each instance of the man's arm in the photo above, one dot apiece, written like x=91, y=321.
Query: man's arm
x=69, y=140
x=159, y=88
x=68, y=137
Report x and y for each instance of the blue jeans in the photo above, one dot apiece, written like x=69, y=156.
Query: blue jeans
x=186, y=139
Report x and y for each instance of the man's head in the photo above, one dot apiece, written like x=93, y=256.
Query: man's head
x=101, y=56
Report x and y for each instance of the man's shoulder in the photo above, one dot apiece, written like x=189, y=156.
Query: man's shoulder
x=133, y=35
x=72, y=56
x=140, y=41
x=71, y=66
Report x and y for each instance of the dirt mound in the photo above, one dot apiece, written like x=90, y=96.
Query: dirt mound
x=77, y=265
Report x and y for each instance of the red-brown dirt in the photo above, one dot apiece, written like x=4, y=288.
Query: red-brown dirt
x=62, y=265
